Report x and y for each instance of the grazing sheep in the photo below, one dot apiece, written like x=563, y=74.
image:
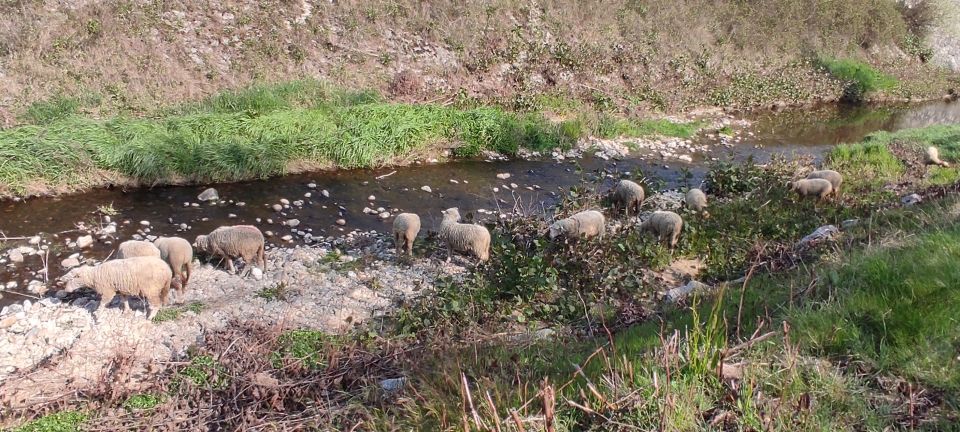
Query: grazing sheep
x=932, y=157
x=831, y=176
x=229, y=242
x=148, y=277
x=819, y=188
x=461, y=237
x=697, y=201
x=137, y=248
x=628, y=195
x=178, y=253
x=666, y=225
x=585, y=225
x=406, y=226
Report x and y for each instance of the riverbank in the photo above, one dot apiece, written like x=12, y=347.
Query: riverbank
x=430, y=361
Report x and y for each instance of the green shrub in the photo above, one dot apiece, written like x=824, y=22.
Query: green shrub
x=861, y=78
x=65, y=421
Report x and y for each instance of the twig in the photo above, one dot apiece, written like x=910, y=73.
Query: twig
x=548, y=406
x=469, y=397
x=381, y=177
x=733, y=350
x=517, y=421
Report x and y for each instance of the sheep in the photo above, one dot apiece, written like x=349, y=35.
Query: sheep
x=628, y=195
x=137, y=248
x=406, y=226
x=697, y=201
x=932, y=157
x=470, y=238
x=831, y=176
x=666, y=225
x=148, y=277
x=229, y=242
x=819, y=188
x=586, y=225
x=178, y=253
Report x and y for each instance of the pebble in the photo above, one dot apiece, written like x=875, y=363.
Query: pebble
x=277, y=208
x=15, y=256
x=35, y=240
x=11, y=285
x=145, y=223
x=208, y=195
x=312, y=185
x=231, y=216
x=257, y=273
x=287, y=238
x=911, y=199
x=454, y=181
x=341, y=222
x=84, y=241
x=503, y=176
x=69, y=263
x=496, y=189
x=371, y=198
x=292, y=222
x=384, y=215
x=109, y=229
x=284, y=201
x=325, y=193
x=426, y=189
x=307, y=195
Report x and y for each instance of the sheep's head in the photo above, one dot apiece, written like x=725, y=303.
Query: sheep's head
x=556, y=230
x=202, y=243
x=452, y=213
x=791, y=185
x=74, y=279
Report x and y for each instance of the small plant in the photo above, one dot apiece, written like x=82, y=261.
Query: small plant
x=173, y=313
x=143, y=401
x=280, y=292
x=65, y=421
x=302, y=347
x=107, y=210
x=51, y=110
x=203, y=371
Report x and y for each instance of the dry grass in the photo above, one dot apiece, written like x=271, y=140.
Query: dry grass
x=132, y=55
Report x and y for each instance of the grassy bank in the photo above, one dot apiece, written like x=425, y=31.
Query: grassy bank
x=273, y=129
x=856, y=333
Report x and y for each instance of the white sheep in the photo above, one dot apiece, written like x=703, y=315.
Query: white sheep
x=462, y=237
x=628, y=195
x=406, y=226
x=178, y=254
x=831, y=176
x=932, y=157
x=696, y=201
x=819, y=188
x=666, y=225
x=585, y=225
x=137, y=248
x=229, y=242
x=147, y=277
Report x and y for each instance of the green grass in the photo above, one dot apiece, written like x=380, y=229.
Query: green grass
x=896, y=309
x=257, y=133
x=302, y=347
x=50, y=110
x=611, y=127
x=65, y=421
x=860, y=77
x=175, y=312
x=143, y=401
x=874, y=162
x=204, y=371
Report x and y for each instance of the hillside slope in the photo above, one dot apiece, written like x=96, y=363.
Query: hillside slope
x=129, y=56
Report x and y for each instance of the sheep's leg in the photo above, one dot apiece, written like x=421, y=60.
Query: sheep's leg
x=396, y=242
x=154, y=304
x=410, y=247
x=126, y=304
x=106, y=298
x=230, y=267
x=248, y=267
x=449, y=252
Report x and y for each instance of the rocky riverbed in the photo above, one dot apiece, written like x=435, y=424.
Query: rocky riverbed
x=53, y=346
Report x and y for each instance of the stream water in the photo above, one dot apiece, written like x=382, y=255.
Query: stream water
x=465, y=184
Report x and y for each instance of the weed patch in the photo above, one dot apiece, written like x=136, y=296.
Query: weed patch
x=66, y=421
x=860, y=77
x=173, y=313
x=143, y=401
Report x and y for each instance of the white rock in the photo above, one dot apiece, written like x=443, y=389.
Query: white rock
x=277, y=208
x=84, y=242
x=312, y=185
x=109, y=229
x=686, y=158
x=287, y=238
x=426, y=189
x=35, y=240
x=391, y=385
x=69, y=263
x=15, y=256
x=352, y=274
x=307, y=195
x=284, y=201
x=341, y=222
x=325, y=193
x=292, y=222
x=911, y=199
x=818, y=235
x=503, y=176
x=385, y=215
x=208, y=195
x=231, y=216
x=371, y=198
x=11, y=285
x=257, y=273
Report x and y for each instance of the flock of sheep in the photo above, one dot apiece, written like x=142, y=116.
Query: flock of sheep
x=149, y=270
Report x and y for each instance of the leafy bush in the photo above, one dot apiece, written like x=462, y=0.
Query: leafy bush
x=861, y=78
